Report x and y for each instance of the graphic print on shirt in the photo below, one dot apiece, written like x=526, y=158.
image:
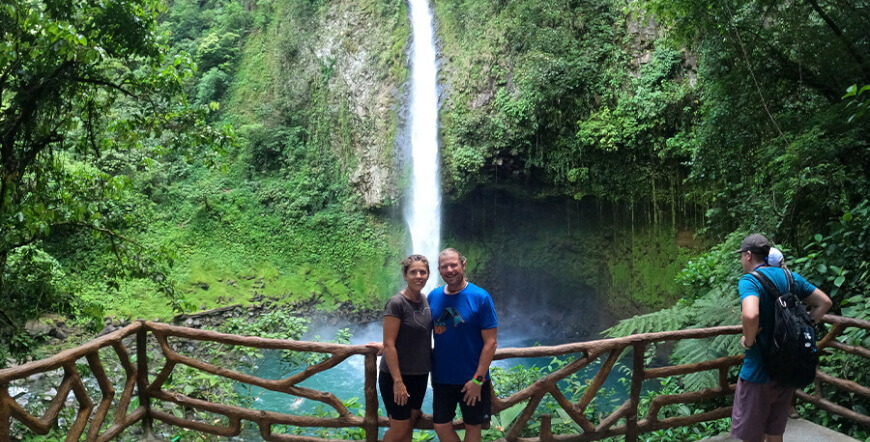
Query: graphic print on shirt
x=422, y=317
x=441, y=322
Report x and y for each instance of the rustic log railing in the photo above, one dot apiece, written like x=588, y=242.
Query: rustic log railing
x=90, y=422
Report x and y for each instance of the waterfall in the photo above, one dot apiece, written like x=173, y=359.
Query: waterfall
x=423, y=214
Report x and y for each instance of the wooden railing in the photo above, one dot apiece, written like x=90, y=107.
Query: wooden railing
x=90, y=422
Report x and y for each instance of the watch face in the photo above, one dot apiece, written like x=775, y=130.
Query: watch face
x=479, y=378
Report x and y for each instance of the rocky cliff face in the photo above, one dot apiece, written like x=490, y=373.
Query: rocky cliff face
x=354, y=42
x=336, y=70
x=513, y=91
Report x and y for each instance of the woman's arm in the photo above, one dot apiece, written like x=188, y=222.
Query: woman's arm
x=391, y=356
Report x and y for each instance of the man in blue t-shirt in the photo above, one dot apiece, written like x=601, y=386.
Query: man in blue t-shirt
x=464, y=322
x=761, y=405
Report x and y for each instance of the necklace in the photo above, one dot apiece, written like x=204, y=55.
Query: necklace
x=460, y=289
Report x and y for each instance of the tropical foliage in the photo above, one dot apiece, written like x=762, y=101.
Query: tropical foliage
x=716, y=119
x=81, y=81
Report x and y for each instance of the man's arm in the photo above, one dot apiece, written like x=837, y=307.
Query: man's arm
x=749, y=318
x=819, y=303
x=490, y=343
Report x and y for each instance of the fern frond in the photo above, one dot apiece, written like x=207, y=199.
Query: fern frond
x=690, y=351
x=726, y=345
x=674, y=318
x=718, y=307
x=701, y=380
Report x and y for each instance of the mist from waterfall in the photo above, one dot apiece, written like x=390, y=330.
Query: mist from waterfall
x=423, y=214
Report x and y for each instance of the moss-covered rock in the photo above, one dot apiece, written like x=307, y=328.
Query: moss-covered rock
x=334, y=69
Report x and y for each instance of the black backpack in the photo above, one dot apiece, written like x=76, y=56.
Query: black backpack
x=790, y=356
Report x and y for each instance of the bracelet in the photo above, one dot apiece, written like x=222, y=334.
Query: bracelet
x=476, y=381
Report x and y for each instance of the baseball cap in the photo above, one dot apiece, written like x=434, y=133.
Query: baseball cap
x=755, y=243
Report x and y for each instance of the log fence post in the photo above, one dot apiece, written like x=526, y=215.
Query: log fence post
x=142, y=378
x=371, y=418
x=138, y=378
x=546, y=428
x=5, y=412
x=637, y=376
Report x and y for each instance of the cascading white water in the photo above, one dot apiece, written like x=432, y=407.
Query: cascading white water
x=424, y=213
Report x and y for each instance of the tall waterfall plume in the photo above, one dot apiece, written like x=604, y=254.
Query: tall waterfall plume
x=424, y=213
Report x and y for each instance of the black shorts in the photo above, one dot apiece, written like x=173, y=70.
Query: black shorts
x=446, y=396
x=416, y=385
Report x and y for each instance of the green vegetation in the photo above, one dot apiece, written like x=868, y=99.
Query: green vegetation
x=284, y=211
x=125, y=189
x=606, y=401
x=777, y=149
x=731, y=111
x=80, y=82
x=110, y=212
x=574, y=251
x=549, y=93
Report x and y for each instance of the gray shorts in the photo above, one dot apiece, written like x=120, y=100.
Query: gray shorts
x=760, y=409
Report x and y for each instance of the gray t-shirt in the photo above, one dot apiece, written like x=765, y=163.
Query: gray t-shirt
x=414, y=342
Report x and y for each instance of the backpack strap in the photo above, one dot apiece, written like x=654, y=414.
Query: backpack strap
x=789, y=279
x=768, y=285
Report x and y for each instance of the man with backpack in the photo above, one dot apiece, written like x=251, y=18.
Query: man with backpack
x=779, y=340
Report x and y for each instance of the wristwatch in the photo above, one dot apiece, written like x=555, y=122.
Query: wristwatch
x=478, y=380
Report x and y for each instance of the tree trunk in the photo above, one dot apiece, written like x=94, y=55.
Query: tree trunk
x=4, y=256
x=655, y=206
x=673, y=204
x=849, y=46
x=615, y=216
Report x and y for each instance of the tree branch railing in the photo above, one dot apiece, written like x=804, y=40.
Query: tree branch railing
x=624, y=421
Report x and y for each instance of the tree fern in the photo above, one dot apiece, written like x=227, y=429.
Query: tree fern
x=720, y=306
x=688, y=351
x=674, y=318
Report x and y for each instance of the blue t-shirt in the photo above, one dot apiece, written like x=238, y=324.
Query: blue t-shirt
x=753, y=369
x=457, y=321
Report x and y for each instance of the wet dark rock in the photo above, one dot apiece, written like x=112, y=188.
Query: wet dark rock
x=47, y=325
x=35, y=377
x=109, y=328
x=36, y=328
